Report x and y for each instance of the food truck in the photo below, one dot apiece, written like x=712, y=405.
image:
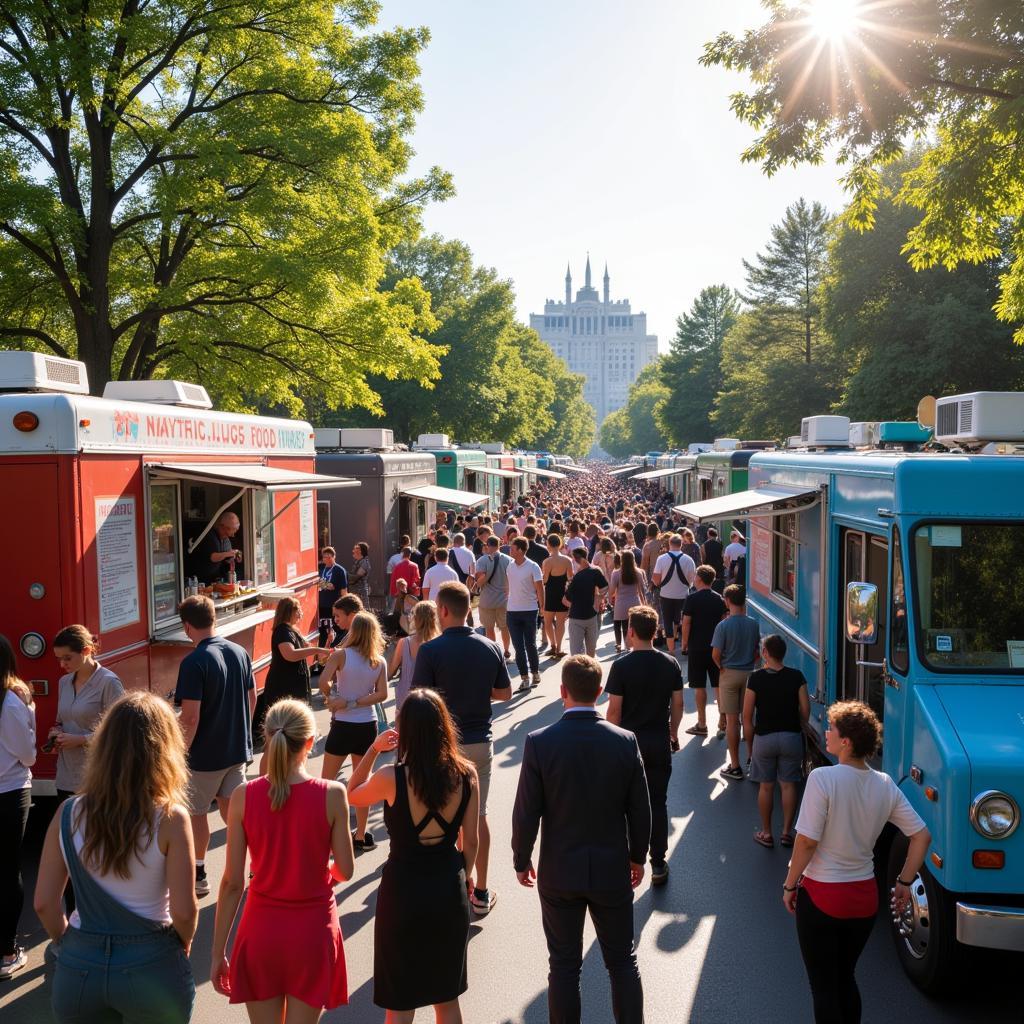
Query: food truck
x=399, y=495
x=895, y=577
x=498, y=474
x=111, y=504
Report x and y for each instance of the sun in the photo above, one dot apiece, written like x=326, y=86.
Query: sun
x=833, y=20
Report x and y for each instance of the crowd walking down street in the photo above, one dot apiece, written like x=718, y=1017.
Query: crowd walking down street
x=443, y=821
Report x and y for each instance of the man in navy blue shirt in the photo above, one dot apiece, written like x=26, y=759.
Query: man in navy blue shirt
x=217, y=694
x=333, y=584
x=469, y=672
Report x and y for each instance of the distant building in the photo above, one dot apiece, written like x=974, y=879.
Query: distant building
x=604, y=341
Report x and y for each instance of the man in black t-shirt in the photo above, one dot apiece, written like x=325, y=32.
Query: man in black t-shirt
x=702, y=611
x=645, y=695
x=775, y=710
x=581, y=600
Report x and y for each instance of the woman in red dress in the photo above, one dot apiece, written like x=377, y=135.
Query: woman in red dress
x=287, y=963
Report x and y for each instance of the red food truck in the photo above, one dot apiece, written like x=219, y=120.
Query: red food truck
x=109, y=501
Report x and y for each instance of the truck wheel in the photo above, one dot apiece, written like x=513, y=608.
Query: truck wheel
x=925, y=933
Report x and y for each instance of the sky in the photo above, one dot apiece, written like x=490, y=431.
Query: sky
x=575, y=126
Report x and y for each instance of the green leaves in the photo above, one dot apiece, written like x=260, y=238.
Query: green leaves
x=210, y=188
x=634, y=428
x=907, y=70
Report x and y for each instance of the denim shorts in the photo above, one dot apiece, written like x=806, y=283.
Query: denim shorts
x=778, y=757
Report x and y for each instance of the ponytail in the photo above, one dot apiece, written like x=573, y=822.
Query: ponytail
x=288, y=725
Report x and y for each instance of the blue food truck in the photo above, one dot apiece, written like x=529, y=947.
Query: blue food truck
x=896, y=577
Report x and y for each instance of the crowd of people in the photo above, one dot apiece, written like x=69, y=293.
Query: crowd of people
x=124, y=861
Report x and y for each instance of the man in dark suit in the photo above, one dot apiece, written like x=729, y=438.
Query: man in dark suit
x=585, y=778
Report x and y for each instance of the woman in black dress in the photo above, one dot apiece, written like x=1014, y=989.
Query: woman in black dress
x=288, y=675
x=557, y=570
x=421, y=928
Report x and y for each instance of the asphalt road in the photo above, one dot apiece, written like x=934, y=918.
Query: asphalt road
x=715, y=945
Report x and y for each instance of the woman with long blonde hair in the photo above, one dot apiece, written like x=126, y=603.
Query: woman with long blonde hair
x=425, y=626
x=126, y=842
x=288, y=962
x=17, y=755
x=354, y=679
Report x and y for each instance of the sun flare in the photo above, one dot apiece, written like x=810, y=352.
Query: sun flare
x=833, y=20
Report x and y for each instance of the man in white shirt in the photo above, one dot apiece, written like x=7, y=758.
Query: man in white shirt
x=674, y=573
x=734, y=551
x=525, y=599
x=440, y=572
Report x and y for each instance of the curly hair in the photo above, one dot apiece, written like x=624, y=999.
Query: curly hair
x=856, y=722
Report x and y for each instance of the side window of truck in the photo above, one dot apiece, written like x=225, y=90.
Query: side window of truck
x=899, y=657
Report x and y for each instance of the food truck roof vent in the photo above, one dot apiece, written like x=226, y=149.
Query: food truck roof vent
x=979, y=417
x=825, y=431
x=357, y=438
x=33, y=371
x=159, y=392
x=726, y=444
x=432, y=441
x=487, y=447
x=864, y=434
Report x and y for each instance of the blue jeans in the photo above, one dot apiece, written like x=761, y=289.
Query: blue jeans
x=522, y=627
x=110, y=979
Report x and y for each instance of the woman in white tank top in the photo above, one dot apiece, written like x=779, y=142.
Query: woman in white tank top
x=354, y=679
x=126, y=842
x=425, y=627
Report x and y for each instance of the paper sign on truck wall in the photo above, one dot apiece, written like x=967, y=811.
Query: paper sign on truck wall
x=307, y=526
x=117, y=564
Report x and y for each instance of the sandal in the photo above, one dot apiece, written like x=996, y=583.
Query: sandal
x=764, y=839
x=697, y=730
x=787, y=839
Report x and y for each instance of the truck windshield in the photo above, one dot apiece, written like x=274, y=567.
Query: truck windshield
x=969, y=580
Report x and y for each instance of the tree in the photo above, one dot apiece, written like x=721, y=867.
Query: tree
x=909, y=334
x=210, y=187
x=633, y=429
x=692, y=369
x=498, y=382
x=901, y=70
x=777, y=365
x=765, y=391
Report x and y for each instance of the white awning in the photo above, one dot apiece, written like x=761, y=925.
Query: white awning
x=619, y=470
x=660, y=474
x=448, y=495
x=244, y=474
x=547, y=473
x=505, y=474
x=761, y=501
x=573, y=469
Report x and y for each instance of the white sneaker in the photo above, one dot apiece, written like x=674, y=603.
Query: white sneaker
x=11, y=965
x=482, y=907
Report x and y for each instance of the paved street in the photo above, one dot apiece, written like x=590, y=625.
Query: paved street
x=715, y=944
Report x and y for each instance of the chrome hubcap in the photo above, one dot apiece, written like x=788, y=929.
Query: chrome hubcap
x=914, y=923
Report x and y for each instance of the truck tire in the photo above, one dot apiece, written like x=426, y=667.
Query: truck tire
x=925, y=934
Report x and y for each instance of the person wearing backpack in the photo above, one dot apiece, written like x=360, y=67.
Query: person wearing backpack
x=491, y=575
x=464, y=564
x=674, y=573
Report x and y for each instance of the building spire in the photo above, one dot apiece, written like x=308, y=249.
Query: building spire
x=587, y=281
x=568, y=286
x=607, y=283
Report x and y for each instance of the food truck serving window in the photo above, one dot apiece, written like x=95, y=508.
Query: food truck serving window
x=784, y=557
x=968, y=580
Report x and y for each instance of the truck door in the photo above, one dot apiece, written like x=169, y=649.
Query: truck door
x=34, y=561
x=865, y=560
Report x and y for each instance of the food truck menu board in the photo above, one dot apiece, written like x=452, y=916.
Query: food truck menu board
x=117, y=562
x=307, y=529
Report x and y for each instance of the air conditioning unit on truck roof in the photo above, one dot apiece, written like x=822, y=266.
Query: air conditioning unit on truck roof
x=359, y=438
x=825, y=431
x=159, y=392
x=980, y=416
x=34, y=371
x=433, y=441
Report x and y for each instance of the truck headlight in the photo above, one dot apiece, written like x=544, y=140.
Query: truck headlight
x=994, y=815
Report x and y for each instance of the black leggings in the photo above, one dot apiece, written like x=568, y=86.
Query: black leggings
x=831, y=947
x=620, y=626
x=13, y=818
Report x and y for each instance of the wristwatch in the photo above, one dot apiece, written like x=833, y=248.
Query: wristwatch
x=352, y=704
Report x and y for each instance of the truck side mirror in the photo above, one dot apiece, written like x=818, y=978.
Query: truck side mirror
x=862, y=613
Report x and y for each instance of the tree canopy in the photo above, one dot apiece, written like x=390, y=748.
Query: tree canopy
x=633, y=428
x=498, y=381
x=210, y=187
x=901, y=71
x=692, y=369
